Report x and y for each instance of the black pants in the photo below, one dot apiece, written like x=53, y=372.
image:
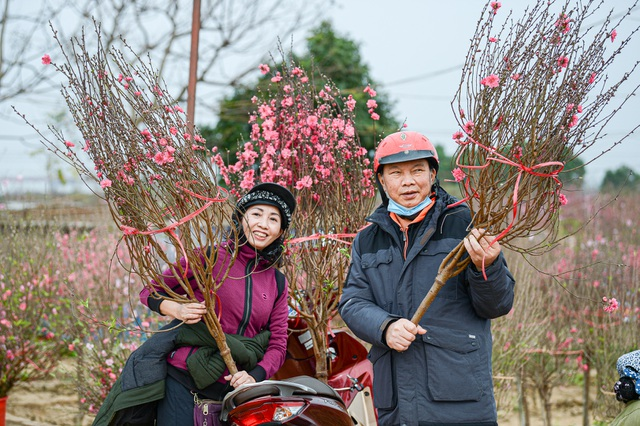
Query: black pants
x=176, y=409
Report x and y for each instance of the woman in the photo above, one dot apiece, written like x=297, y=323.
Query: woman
x=252, y=300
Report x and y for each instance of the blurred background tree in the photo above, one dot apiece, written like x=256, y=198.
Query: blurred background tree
x=232, y=44
x=621, y=178
x=334, y=56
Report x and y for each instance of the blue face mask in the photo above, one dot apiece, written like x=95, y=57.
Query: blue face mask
x=396, y=208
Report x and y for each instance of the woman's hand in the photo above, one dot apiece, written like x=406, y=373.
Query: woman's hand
x=240, y=378
x=190, y=313
x=480, y=248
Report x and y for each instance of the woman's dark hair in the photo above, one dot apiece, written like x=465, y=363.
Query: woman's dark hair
x=625, y=389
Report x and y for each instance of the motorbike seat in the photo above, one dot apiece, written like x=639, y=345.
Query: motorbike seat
x=315, y=384
x=299, y=386
x=294, y=386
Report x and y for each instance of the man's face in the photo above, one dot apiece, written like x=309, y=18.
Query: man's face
x=407, y=183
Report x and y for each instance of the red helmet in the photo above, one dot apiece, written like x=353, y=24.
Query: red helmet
x=404, y=146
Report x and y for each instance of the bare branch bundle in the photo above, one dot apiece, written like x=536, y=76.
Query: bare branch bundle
x=534, y=95
x=160, y=190
x=305, y=136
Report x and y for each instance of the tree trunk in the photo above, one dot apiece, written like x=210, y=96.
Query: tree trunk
x=211, y=320
x=585, y=398
x=522, y=399
x=319, y=336
x=545, y=396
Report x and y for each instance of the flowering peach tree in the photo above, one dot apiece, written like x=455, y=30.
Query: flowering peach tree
x=34, y=310
x=149, y=162
x=306, y=140
x=109, y=322
x=534, y=95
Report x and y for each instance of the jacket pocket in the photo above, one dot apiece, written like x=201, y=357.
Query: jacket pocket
x=373, y=260
x=384, y=394
x=454, y=365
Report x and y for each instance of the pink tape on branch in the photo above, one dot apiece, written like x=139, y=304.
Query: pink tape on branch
x=317, y=236
x=170, y=228
x=497, y=157
x=337, y=237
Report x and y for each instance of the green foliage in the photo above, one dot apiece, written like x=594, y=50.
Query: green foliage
x=338, y=59
x=573, y=173
x=622, y=178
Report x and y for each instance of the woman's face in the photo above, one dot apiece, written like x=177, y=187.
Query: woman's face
x=261, y=224
x=407, y=183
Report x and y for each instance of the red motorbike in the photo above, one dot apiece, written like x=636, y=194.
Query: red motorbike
x=294, y=397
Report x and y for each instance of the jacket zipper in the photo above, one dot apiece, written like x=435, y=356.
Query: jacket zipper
x=405, y=240
x=248, y=291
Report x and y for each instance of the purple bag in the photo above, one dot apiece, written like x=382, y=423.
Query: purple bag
x=206, y=412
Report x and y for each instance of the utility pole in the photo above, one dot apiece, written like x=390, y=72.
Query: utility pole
x=193, y=67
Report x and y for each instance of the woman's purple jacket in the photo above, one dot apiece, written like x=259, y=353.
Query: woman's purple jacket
x=247, y=303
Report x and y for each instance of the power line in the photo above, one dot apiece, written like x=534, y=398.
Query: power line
x=425, y=76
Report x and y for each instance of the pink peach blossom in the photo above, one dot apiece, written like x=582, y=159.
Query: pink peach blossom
x=563, y=199
x=573, y=121
x=517, y=152
x=312, y=121
x=491, y=81
x=368, y=90
x=304, y=182
x=351, y=103
x=563, y=61
x=458, y=174
x=612, y=304
x=469, y=126
x=276, y=78
x=563, y=23
x=457, y=136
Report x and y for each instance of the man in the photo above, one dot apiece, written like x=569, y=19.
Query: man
x=438, y=372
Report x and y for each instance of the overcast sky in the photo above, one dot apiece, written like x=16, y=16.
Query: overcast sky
x=415, y=50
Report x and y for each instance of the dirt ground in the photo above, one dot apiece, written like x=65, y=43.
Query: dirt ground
x=47, y=402
x=53, y=402
x=567, y=410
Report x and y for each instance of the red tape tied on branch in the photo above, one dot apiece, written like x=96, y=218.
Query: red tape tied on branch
x=335, y=237
x=504, y=160
x=317, y=236
x=170, y=228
